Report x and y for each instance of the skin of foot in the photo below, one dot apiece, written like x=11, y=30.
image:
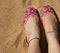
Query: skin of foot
x=49, y=23
x=32, y=30
x=32, y=27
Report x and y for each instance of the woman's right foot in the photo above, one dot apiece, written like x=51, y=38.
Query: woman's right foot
x=49, y=21
x=51, y=29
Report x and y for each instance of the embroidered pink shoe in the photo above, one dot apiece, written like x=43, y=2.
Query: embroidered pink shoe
x=45, y=9
x=29, y=11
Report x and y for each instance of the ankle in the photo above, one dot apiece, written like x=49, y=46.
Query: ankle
x=52, y=37
x=32, y=38
x=35, y=41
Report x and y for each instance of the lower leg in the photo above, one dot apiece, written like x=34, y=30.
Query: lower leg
x=50, y=24
x=32, y=31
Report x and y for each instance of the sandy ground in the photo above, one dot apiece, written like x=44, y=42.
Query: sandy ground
x=11, y=16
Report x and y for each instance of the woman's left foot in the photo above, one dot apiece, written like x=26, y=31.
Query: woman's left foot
x=31, y=24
